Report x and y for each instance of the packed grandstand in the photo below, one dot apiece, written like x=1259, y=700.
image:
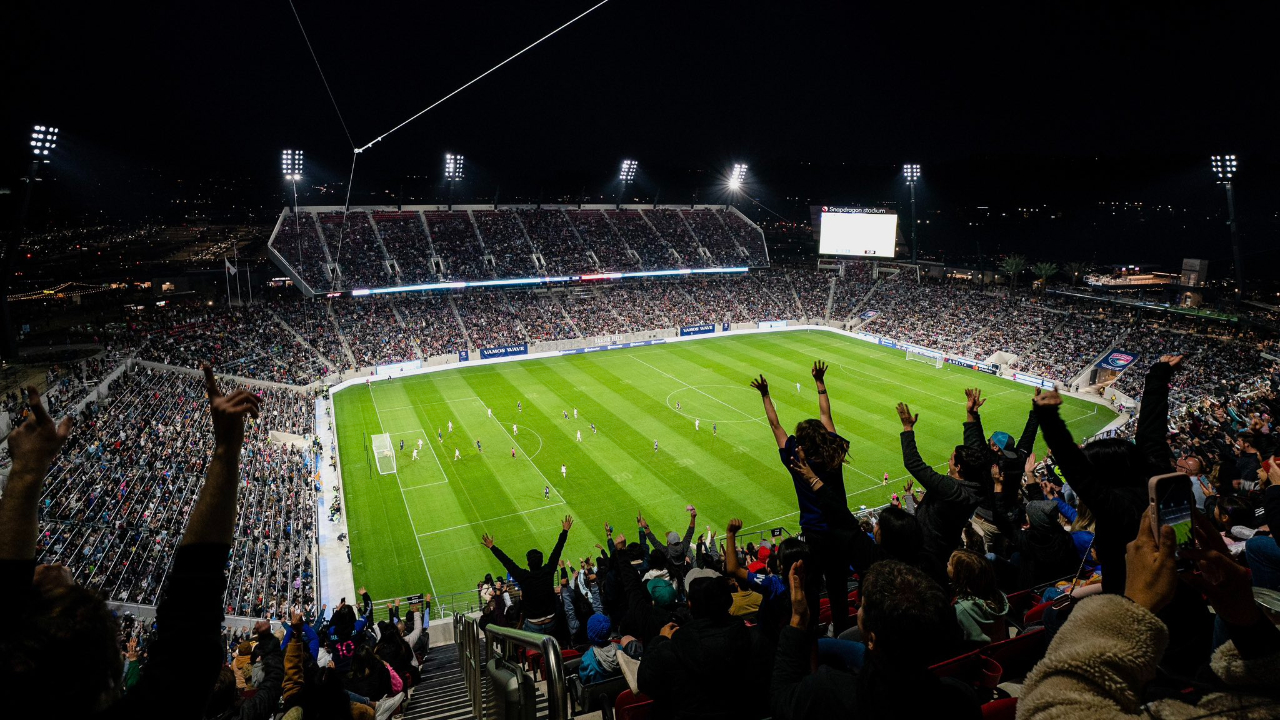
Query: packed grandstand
x=120, y=495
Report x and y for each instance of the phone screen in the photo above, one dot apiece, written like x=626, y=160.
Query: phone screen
x=1173, y=506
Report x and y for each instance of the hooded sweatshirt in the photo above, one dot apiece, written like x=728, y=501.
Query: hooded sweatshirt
x=977, y=619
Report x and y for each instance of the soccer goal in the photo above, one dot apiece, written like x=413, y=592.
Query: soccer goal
x=932, y=358
x=384, y=454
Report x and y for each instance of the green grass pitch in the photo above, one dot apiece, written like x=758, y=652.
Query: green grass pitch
x=419, y=530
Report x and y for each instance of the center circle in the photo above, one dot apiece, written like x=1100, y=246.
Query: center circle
x=703, y=403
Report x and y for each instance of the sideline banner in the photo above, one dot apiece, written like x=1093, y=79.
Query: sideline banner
x=619, y=346
x=464, y=355
x=701, y=329
x=398, y=368
x=1033, y=381
x=972, y=365
x=504, y=351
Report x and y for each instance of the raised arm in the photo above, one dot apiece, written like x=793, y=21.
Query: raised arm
x=974, y=436
x=33, y=445
x=824, y=403
x=943, y=486
x=554, y=559
x=1027, y=441
x=731, y=566
x=1153, y=416
x=213, y=518
x=1076, y=468
x=507, y=563
x=770, y=413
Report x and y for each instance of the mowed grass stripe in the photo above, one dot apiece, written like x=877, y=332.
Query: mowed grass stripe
x=630, y=395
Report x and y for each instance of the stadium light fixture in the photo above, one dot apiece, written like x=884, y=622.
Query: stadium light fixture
x=291, y=164
x=737, y=176
x=1225, y=167
x=911, y=171
x=44, y=138
x=454, y=167
x=628, y=173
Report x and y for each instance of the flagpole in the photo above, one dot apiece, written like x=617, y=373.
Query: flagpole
x=225, y=267
x=235, y=255
x=248, y=274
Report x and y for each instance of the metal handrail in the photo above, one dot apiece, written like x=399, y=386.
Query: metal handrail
x=468, y=634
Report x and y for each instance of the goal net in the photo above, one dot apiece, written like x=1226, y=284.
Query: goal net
x=932, y=358
x=384, y=454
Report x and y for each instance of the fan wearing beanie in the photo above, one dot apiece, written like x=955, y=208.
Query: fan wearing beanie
x=600, y=661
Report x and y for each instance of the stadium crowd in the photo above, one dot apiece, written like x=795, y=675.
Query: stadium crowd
x=1055, y=574
x=506, y=243
x=603, y=240
x=553, y=235
x=115, y=500
x=405, y=237
x=1022, y=567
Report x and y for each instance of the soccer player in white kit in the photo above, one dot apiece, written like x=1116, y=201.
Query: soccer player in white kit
x=564, y=471
x=419, y=443
x=457, y=454
x=514, y=430
x=797, y=387
x=490, y=412
x=575, y=413
x=579, y=436
x=415, y=453
x=450, y=426
x=697, y=423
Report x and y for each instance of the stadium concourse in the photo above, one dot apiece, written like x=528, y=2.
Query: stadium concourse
x=186, y=499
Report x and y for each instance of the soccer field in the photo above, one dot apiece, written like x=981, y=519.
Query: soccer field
x=419, y=529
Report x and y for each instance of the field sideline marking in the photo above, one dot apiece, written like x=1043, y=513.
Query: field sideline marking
x=477, y=522
x=404, y=497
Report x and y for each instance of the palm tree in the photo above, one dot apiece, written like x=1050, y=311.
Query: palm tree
x=1044, y=271
x=1013, y=266
x=1076, y=270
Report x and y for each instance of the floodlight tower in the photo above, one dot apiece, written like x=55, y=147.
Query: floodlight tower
x=43, y=141
x=1224, y=166
x=912, y=172
x=291, y=165
x=626, y=176
x=454, y=169
x=737, y=177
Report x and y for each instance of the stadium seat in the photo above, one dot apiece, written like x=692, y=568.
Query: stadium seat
x=629, y=706
x=972, y=668
x=1017, y=655
x=1020, y=602
x=1002, y=709
x=1036, y=614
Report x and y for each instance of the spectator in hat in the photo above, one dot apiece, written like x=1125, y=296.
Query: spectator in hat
x=600, y=661
x=1008, y=455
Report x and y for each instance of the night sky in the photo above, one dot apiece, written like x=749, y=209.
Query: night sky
x=1000, y=104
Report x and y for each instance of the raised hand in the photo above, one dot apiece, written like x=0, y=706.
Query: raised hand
x=799, y=604
x=819, y=370
x=487, y=539
x=762, y=385
x=1048, y=398
x=735, y=525
x=641, y=522
x=228, y=411
x=908, y=420
x=973, y=400
x=295, y=618
x=620, y=542
x=1151, y=567
x=1175, y=361
x=35, y=443
x=668, y=630
x=568, y=523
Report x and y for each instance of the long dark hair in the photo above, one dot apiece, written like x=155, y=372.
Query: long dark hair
x=1117, y=462
x=822, y=451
